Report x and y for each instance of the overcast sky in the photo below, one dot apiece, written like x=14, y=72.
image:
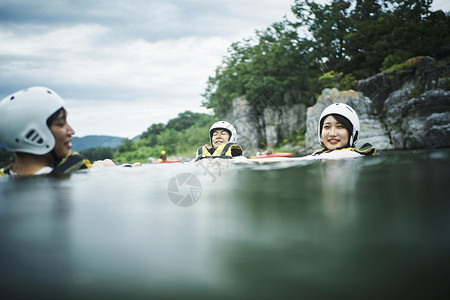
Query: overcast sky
x=124, y=65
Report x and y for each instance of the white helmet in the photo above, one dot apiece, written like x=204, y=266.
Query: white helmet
x=23, y=120
x=345, y=111
x=223, y=125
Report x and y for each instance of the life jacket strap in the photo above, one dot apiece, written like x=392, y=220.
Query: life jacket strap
x=366, y=149
x=71, y=163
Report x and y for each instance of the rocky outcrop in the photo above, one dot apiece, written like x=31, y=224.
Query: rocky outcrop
x=414, y=101
x=269, y=125
x=249, y=125
x=422, y=122
x=404, y=108
x=281, y=121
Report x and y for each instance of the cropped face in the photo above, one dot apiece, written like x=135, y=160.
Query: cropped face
x=219, y=137
x=334, y=134
x=63, y=135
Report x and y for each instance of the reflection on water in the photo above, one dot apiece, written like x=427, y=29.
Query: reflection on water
x=362, y=228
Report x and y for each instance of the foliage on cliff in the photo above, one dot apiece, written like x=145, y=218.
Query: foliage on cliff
x=345, y=41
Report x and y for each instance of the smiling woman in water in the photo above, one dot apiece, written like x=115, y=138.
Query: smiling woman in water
x=34, y=126
x=338, y=131
x=223, y=138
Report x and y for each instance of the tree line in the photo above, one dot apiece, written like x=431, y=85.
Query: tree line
x=327, y=45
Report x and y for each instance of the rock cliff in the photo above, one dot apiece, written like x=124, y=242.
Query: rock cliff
x=414, y=101
x=407, y=107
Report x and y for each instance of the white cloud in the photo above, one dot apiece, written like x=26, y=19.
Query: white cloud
x=121, y=119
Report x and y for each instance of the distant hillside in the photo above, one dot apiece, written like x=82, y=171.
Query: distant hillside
x=94, y=141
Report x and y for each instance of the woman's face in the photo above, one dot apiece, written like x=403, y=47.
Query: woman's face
x=63, y=135
x=220, y=137
x=334, y=134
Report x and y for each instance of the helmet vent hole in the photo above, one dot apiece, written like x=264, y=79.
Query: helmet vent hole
x=17, y=140
x=49, y=92
x=30, y=134
x=12, y=98
x=34, y=137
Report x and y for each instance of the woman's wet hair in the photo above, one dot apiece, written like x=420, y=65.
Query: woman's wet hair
x=340, y=119
x=58, y=114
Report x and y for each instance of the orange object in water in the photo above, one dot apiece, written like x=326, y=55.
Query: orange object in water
x=167, y=161
x=276, y=154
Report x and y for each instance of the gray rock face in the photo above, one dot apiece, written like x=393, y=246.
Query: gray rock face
x=280, y=122
x=421, y=122
x=414, y=102
x=250, y=127
x=417, y=74
x=269, y=125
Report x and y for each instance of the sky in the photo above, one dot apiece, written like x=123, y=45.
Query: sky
x=122, y=66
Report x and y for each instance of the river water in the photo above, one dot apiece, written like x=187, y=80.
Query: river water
x=365, y=228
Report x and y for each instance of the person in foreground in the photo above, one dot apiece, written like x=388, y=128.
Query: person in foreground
x=338, y=131
x=222, y=138
x=33, y=125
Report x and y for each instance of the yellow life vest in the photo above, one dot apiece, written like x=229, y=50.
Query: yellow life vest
x=223, y=151
x=366, y=149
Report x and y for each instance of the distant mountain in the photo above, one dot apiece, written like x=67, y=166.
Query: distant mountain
x=92, y=141
x=95, y=141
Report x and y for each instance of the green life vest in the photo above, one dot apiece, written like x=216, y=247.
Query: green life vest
x=366, y=149
x=223, y=151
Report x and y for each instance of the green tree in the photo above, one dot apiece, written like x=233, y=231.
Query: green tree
x=99, y=153
x=329, y=24
x=184, y=120
x=126, y=146
x=263, y=69
x=154, y=129
x=371, y=35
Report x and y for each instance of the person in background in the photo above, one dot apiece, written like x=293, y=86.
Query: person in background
x=33, y=125
x=338, y=131
x=223, y=138
x=163, y=156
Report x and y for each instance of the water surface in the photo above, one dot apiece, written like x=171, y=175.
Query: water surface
x=365, y=228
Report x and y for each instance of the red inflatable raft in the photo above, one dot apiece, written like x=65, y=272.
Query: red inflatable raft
x=167, y=161
x=276, y=154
